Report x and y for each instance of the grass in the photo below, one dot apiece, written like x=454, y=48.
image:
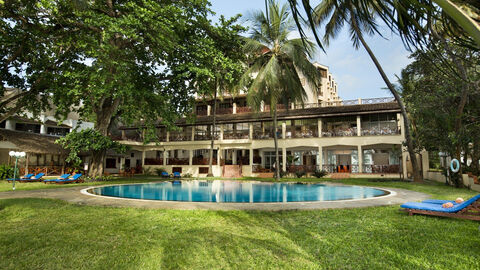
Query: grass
x=51, y=234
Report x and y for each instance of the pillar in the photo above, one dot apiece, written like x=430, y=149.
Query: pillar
x=250, y=131
x=320, y=158
x=193, y=133
x=219, y=156
x=43, y=129
x=262, y=106
x=359, y=125
x=122, y=163
x=209, y=109
x=360, y=159
x=250, y=158
x=359, y=101
x=404, y=160
x=320, y=126
x=284, y=159
x=143, y=158
x=167, y=139
x=221, y=133
x=164, y=157
x=190, y=157
x=234, y=109
x=10, y=125
x=284, y=129
x=234, y=156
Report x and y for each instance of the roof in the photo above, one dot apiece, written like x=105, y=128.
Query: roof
x=33, y=142
x=333, y=111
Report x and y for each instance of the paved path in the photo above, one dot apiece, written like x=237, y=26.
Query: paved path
x=74, y=195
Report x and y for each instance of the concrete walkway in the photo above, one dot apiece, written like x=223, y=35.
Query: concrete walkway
x=76, y=196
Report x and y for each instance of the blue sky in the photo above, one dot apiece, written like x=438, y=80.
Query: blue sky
x=353, y=70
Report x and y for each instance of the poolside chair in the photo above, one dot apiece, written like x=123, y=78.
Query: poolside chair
x=74, y=179
x=17, y=179
x=165, y=175
x=176, y=175
x=469, y=209
x=62, y=177
x=36, y=178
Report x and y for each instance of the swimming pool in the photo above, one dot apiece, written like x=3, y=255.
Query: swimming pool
x=236, y=192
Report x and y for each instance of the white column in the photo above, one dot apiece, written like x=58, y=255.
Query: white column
x=359, y=125
x=320, y=126
x=360, y=159
x=250, y=132
x=209, y=109
x=251, y=156
x=284, y=130
x=219, y=156
x=193, y=133
x=404, y=160
x=164, y=157
x=234, y=108
x=221, y=132
x=122, y=163
x=168, y=136
x=320, y=158
x=284, y=159
x=10, y=125
x=359, y=101
x=43, y=129
x=262, y=106
x=234, y=156
x=143, y=158
x=190, y=157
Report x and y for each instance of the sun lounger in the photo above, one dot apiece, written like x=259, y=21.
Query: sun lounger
x=62, y=177
x=176, y=175
x=74, y=179
x=25, y=177
x=165, y=175
x=36, y=178
x=469, y=209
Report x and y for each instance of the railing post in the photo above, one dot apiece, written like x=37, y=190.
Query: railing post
x=250, y=132
x=284, y=130
x=359, y=125
x=284, y=159
x=360, y=159
x=209, y=109
x=221, y=133
x=320, y=127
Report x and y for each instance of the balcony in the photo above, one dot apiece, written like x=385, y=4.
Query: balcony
x=299, y=133
x=177, y=161
x=204, y=161
x=180, y=137
x=206, y=137
x=346, y=132
x=153, y=161
x=380, y=130
x=239, y=134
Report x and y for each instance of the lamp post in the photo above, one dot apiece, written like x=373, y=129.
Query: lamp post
x=16, y=155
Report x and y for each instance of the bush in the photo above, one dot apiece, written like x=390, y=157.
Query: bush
x=147, y=171
x=159, y=171
x=300, y=174
x=6, y=171
x=320, y=173
x=187, y=175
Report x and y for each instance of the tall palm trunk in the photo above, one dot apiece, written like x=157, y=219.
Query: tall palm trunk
x=417, y=177
x=212, y=132
x=275, y=140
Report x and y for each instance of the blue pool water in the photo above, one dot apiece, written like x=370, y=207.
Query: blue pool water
x=236, y=192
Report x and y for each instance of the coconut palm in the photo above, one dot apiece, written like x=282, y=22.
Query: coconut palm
x=276, y=64
x=360, y=20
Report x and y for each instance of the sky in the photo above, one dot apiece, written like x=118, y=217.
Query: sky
x=353, y=70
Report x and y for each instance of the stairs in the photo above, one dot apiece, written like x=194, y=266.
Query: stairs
x=339, y=175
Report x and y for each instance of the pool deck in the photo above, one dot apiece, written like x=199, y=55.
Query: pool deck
x=78, y=195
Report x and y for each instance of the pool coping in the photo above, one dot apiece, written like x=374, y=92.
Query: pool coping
x=77, y=195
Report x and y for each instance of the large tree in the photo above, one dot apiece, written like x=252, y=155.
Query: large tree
x=276, y=64
x=222, y=67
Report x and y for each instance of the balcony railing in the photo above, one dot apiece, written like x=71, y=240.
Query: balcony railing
x=224, y=111
x=265, y=135
x=177, y=161
x=244, y=109
x=348, y=132
x=180, y=137
x=381, y=168
x=203, y=161
x=229, y=135
x=308, y=133
x=386, y=130
x=280, y=107
x=333, y=168
x=153, y=161
x=206, y=137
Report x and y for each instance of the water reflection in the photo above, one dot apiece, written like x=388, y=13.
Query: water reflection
x=237, y=191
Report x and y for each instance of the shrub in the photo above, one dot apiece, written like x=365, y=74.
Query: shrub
x=147, y=171
x=6, y=171
x=187, y=175
x=159, y=171
x=300, y=174
x=320, y=173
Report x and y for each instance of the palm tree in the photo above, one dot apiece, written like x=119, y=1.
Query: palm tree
x=276, y=64
x=361, y=20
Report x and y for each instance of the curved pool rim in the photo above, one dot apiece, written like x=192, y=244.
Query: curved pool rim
x=389, y=193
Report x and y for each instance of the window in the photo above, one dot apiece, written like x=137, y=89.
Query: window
x=340, y=126
x=111, y=163
x=304, y=128
x=270, y=159
x=33, y=128
x=236, y=131
x=2, y=124
x=380, y=124
x=58, y=131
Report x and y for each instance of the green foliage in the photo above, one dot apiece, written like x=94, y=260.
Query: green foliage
x=187, y=175
x=300, y=173
x=6, y=171
x=159, y=171
x=87, y=141
x=148, y=171
x=320, y=173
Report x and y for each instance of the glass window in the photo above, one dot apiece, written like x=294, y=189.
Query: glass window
x=339, y=126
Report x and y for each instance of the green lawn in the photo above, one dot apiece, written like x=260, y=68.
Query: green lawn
x=50, y=234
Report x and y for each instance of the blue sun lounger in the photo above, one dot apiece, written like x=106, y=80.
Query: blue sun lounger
x=28, y=176
x=165, y=175
x=469, y=209
x=74, y=179
x=62, y=177
x=36, y=178
x=176, y=175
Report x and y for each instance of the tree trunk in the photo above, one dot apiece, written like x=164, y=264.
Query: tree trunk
x=212, y=133
x=103, y=122
x=275, y=140
x=417, y=177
